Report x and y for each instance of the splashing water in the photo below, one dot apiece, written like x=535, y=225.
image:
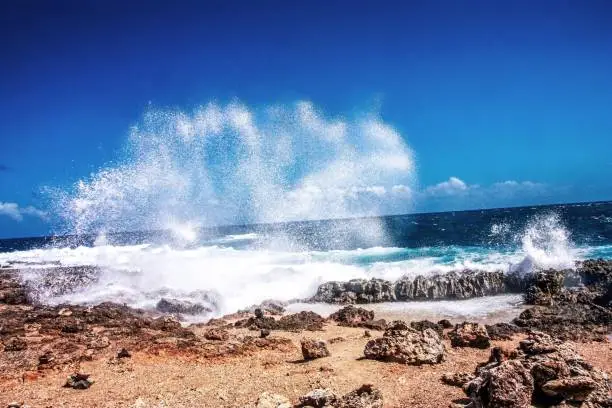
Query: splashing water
x=231, y=164
x=546, y=243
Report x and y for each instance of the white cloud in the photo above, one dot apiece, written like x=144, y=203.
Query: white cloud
x=452, y=186
x=401, y=190
x=15, y=212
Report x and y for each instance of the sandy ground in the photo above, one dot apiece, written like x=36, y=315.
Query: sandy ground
x=147, y=380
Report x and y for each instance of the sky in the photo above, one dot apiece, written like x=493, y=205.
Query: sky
x=503, y=103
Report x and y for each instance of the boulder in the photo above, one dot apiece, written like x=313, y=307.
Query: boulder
x=470, y=335
x=426, y=324
x=216, y=334
x=352, y=316
x=406, y=346
x=318, y=398
x=313, y=349
x=502, y=331
x=508, y=385
x=545, y=285
x=365, y=396
x=78, y=381
x=181, y=307
x=573, y=389
x=446, y=324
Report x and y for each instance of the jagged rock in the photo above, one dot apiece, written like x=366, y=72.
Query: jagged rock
x=318, y=398
x=352, y=316
x=181, y=307
x=269, y=400
x=457, y=379
x=544, y=286
x=124, y=353
x=470, y=335
x=407, y=346
x=165, y=323
x=544, y=372
x=365, y=396
x=452, y=285
x=293, y=322
x=426, y=324
x=274, y=307
x=446, y=324
x=574, y=389
x=79, y=381
x=216, y=334
x=313, y=349
x=259, y=314
x=507, y=385
x=502, y=331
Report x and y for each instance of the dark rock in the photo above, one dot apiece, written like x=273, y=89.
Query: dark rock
x=457, y=379
x=264, y=333
x=301, y=321
x=463, y=285
x=318, y=398
x=216, y=334
x=181, y=307
x=508, y=385
x=470, y=335
x=273, y=307
x=313, y=349
x=446, y=324
x=544, y=371
x=352, y=316
x=367, y=334
x=406, y=346
x=259, y=314
x=426, y=324
x=124, y=353
x=545, y=285
x=502, y=331
x=365, y=396
x=78, y=381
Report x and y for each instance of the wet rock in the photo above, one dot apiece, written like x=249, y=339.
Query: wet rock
x=457, y=379
x=79, y=381
x=124, y=353
x=181, y=307
x=216, y=334
x=318, y=398
x=508, y=385
x=463, y=285
x=446, y=324
x=407, y=346
x=313, y=349
x=470, y=335
x=426, y=324
x=503, y=331
x=15, y=344
x=43, y=283
x=269, y=400
x=545, y=285
x=365, y=396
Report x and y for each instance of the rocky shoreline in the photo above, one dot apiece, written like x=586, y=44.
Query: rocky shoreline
x=531, y=360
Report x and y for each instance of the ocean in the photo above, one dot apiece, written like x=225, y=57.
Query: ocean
x=233, y=267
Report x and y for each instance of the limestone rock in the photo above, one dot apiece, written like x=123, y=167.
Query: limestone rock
x=406, y=346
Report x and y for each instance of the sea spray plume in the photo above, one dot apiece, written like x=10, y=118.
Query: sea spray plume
x=225, y=164
x=546, y=243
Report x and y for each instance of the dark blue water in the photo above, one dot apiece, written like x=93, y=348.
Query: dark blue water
x=587, y=224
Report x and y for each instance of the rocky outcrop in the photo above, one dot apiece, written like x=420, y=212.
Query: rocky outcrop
x=403, y=344
x=181, y=307
x=351, y=316
x=503, y=331
x=313, y=349
x=296, y=322
x=470, y=335
x=544, y=372
x=464, y=285
x=545, y=285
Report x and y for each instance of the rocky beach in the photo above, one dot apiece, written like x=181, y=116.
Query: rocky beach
x=555, y=352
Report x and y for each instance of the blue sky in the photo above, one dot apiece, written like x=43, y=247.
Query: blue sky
x=503, y=102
